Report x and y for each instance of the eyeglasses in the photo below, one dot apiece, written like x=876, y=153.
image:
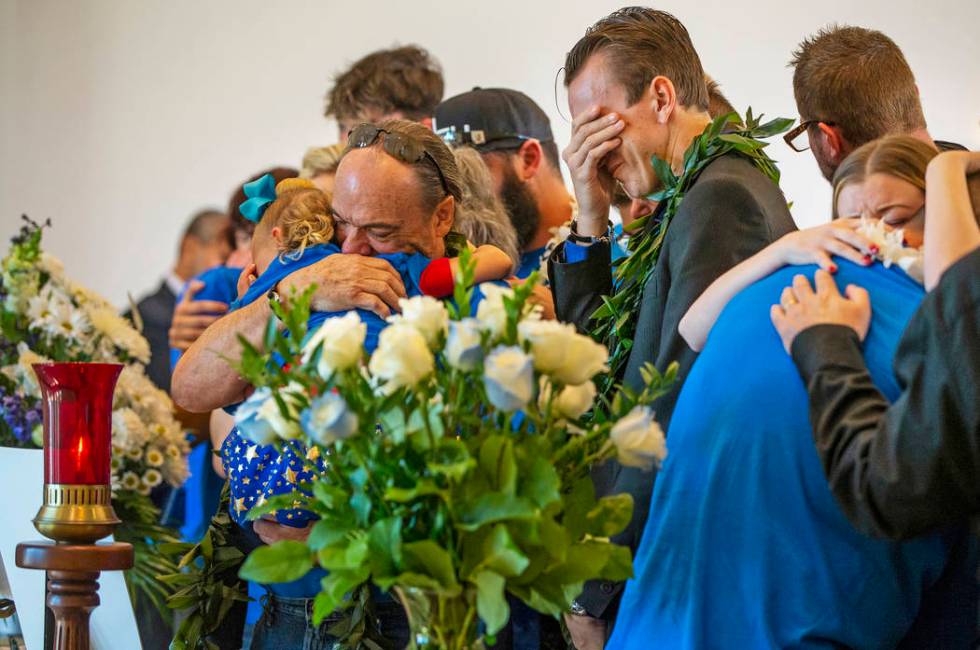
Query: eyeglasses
x=794, y=139
x=399, y=145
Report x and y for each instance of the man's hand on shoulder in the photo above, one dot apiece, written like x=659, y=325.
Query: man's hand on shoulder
x=801, y=307
x=348, y=282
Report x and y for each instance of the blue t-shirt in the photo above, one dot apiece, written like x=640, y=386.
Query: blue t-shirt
x=745, y=546
x=530, y=262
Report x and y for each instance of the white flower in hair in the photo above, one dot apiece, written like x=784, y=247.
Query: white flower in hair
x=892, y=248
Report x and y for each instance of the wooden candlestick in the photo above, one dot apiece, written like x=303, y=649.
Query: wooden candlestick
x=73, y=573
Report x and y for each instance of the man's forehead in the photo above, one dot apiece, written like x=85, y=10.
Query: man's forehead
x=595, y=85
x=370, y=180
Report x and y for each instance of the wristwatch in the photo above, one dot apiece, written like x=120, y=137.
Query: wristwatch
x=587, y=240
x=273, y=297
x=577, y=610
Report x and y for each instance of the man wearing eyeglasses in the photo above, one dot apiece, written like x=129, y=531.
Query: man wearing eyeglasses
x=853, y=85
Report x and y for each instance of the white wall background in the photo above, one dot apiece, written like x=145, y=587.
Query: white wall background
x=120, y=118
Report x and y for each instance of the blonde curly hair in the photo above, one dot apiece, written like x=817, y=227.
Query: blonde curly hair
x=302, y=213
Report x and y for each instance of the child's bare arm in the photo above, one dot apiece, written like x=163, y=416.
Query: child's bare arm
x=490, y=262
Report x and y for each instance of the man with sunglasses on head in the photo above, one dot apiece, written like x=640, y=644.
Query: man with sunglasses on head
x=514, y=137
x=395, y=191
x=853, y=85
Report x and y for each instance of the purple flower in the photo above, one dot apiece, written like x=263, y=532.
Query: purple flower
x=19, y=417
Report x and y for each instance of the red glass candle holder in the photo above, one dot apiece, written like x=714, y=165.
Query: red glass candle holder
x=77, y=405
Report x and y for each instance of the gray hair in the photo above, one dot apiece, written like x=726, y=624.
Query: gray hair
x=480, y=216
x=430, y=178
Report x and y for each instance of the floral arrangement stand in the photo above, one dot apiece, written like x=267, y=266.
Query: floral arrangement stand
x=451, y=467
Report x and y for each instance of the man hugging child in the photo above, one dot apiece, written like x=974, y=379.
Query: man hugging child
x=294, y=230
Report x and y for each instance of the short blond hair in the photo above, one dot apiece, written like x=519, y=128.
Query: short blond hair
x=901, y=156
x=302, y=214
x=321, y=160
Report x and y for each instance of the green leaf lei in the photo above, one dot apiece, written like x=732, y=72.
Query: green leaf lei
x=615, y=320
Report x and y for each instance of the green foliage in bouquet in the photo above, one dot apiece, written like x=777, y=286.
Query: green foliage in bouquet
x=453, y=467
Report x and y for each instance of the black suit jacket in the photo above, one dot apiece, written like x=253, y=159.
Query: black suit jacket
x=157, y=311
x=730, y=213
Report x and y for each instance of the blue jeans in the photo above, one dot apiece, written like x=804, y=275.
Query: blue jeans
x=287, y=624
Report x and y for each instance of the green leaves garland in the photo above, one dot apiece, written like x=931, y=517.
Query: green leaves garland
x=204, y=583
x=615, y=321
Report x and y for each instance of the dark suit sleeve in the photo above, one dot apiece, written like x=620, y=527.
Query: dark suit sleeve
x=909, y=468
x=578, y=287
x=718, y=225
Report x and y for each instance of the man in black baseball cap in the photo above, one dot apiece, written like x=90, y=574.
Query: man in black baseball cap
x=514, y=136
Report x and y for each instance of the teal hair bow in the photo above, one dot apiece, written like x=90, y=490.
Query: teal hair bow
x=260, y=192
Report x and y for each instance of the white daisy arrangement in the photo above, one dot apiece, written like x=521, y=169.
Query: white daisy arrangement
x=48, y=317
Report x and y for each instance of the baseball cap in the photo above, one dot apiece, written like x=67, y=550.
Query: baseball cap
x=490, y=119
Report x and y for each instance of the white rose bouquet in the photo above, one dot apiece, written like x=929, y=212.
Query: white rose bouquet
x=45, y=316
x=455, y=459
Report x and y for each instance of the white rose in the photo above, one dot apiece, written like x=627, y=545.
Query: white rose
x=329, y=419
x=574, y=401
x=285, y=425
x=402, y=358
x=342, y=340
x=464, y=348
x=562, y=353
x=639, y=439
x=508, y=375
x=548, y=339
x=426, y=314
x=491, y=313
x=253, y=417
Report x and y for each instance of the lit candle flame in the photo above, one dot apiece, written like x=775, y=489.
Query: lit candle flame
x=80, y=452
